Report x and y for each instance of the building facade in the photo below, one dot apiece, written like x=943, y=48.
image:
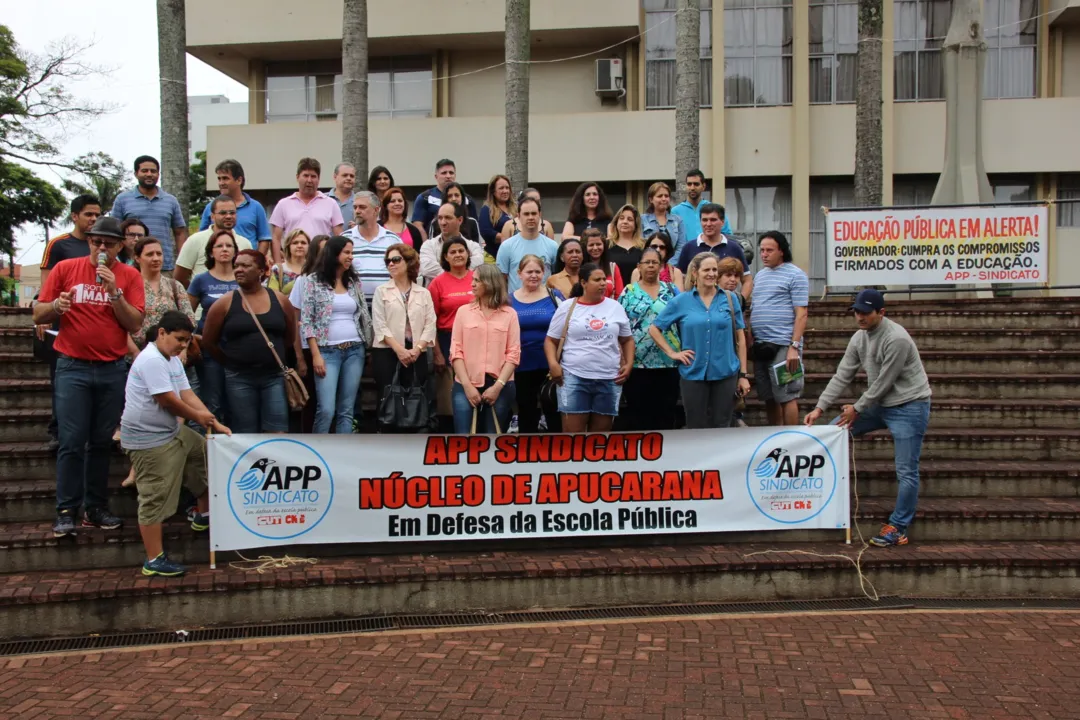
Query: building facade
x=205, y=111
x=776, y=150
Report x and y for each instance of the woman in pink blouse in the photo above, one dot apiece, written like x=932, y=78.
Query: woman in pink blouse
x=485, y=347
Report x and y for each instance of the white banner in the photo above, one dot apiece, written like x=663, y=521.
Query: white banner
x=937, y=246
x=276, y=490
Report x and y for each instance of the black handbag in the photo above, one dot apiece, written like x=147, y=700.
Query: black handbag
x=404, y=407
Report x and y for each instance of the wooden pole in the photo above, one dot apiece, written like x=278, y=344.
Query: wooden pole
x=209, y=437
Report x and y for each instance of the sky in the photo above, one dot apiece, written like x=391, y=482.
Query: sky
x=124, y=37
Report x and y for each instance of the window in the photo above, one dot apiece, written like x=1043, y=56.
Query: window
x=830, y=194
x=913, y=190
x=1013, y=188
x=1010, y=28
x=757, y=52
x=834, y=43
x=753, y=210
x=660, y=34
x=1068, y=213
x=391, y=93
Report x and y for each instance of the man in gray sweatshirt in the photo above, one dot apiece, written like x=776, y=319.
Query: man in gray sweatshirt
x=898, y=398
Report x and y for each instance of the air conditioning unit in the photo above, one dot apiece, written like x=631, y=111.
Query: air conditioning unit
x=609, y=78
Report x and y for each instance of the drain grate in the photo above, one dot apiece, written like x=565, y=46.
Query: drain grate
x=933, y=603
x=435, y=620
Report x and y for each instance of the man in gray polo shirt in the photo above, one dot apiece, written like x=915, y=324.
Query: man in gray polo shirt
x=898, y=398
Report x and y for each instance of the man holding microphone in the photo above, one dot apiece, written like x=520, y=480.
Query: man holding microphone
x=98, y=302
x=898, y=398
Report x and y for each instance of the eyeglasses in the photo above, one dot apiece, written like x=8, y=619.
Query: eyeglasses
x=134, y=235
x=225, y=212
x=104, y=242
x=393, y=260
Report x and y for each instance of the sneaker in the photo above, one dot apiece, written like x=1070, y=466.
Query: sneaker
x=888, y=537
x=101, y=518
x=65, y=524
x=163, y=566
x=200, y=522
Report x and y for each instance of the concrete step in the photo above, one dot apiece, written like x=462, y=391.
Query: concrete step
x=979, y=444
x=975, y=318
x=39, y=602
x=34, y=460
x=20, y=339
x=35, y=500
x=16, y=317
x=22, y=366
x=988, y=519
x=1020, y=301
x=24, y=425
x=1025, y=339
x=26, y=394
x=1005, y=362
x=979, y=386
x=954, y=479
x=964, y=413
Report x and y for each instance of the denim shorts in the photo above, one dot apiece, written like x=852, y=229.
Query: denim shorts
x=578, y=396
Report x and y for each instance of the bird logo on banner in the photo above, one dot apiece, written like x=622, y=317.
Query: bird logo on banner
x=253, y=478
x=767, y=468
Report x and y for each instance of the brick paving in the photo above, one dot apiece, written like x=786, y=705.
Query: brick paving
x=835, y=666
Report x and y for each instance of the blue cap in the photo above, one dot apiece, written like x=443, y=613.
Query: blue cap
x=868, y=300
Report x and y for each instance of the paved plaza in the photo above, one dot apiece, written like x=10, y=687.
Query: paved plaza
x=903, y=664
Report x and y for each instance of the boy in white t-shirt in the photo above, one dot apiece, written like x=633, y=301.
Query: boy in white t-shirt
x=163, y=451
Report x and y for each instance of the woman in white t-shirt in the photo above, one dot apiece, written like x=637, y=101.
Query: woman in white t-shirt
x=596, y=356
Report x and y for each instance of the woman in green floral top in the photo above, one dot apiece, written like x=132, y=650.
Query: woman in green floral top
x=652, y=392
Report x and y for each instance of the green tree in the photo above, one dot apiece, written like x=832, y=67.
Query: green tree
x=99, y=175
x=197, y=194
x=36, y=107
x=25, y=198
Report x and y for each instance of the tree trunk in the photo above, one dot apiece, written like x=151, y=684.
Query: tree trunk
x=517, y=93
x=868, y=142
x=354, y=67
x=687, y=91
x=172, y=67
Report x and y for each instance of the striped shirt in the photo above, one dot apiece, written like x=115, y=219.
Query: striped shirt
x=777, y=292
x=369, y=257
x=160, y=213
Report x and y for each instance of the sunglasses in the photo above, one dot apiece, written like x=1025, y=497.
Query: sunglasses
x=104, y=242
x=661, y=246
x=394, y=260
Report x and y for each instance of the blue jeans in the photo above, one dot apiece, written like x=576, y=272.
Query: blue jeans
x=485, y=421
x=907, y=424
x=212, y=386
x=336, y=393
x=257, y=401
x=89, y=402
x=581, y=396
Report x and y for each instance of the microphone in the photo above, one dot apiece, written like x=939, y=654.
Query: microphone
x=102, y=261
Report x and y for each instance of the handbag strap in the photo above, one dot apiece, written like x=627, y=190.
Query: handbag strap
x=565, y=330
x=258, y=324
x=731, y=310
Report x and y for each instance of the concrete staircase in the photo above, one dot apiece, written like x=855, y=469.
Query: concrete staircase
x=999, y=512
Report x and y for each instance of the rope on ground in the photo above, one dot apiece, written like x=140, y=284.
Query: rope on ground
x=864, y=581
x=266, y=563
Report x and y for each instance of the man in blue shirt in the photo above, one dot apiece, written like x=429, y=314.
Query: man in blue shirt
x=426, y=207
x=689, y=210
x=251, y=219
x=714, y=241
x=528, y=241
x=158, y=210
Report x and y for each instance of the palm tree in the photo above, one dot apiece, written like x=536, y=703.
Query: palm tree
x=172, y=67
x=868, y=141
x=517, y=92
x=687, y=91
x=354, y=68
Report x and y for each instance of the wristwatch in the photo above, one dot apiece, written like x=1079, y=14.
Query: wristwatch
x=795, y=345
x=744, y=376
x=119, y=294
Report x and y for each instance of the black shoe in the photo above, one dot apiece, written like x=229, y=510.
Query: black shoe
x=65, y=524
x=101, y=518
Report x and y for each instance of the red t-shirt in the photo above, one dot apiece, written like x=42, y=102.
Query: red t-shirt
x=448, y=293
x=89, y=330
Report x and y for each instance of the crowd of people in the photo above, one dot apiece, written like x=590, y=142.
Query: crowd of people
x=472, y=310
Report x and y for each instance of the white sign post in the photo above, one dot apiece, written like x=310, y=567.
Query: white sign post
x=937, y=246
x=272, y=491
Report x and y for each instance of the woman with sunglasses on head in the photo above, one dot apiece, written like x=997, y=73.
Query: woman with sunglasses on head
x=485, y=348
x=134, y=230
x=596, y=252
x=652, y=392
x=380, y=181
x=470, y=229
x=661, y=243
x=712, y=358
x=295, y=249
x=658, y=218
x=205, y=289
x=499, y=207
x=535, y=305
x=394, y=216
x=403, y=317
x=625, y=242
x=588, y=209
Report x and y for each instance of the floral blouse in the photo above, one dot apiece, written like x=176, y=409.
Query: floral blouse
x=157, y=304
x=642, y=310
x=282, y=279
x=317, y=307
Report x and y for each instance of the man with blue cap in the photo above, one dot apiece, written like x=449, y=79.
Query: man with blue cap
x=897, y=398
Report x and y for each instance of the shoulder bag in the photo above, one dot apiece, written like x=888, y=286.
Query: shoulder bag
x=404, y=407
x=295, y=391
x=547, y=390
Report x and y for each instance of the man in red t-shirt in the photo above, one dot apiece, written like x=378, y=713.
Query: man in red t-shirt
x=97, y=302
